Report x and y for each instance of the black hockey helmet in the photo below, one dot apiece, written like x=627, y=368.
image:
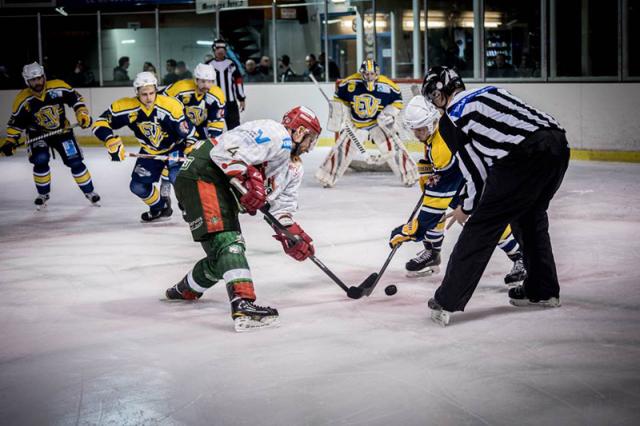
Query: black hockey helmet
x=441, y=79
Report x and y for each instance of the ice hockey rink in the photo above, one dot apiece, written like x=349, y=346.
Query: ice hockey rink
x=86, y=338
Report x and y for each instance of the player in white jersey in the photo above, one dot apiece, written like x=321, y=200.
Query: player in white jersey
x=264, y=157
x=365, y=106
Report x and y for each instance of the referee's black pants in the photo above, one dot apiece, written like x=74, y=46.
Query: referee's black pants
x=232, y=115
x=517, y=191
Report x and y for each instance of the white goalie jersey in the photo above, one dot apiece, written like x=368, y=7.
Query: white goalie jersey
x=264, y=144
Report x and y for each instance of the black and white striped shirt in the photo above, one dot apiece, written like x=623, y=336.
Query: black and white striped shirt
x=483, y=125
x=229, y=79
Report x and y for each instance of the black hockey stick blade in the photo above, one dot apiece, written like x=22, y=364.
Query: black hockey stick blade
x=365, y=288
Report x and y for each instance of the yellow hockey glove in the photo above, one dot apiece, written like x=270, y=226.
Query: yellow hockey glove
x=402, y=233
x=116, y=149
x=83, y=117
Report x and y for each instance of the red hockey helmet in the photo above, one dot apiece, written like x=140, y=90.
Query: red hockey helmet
x=302, y=116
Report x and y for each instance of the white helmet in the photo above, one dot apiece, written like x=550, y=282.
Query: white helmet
x=145, y=78
x=30, y=71
x=205, y=72
x=419, y=113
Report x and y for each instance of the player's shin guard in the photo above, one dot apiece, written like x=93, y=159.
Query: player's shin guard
x=398, y=157
x=337, y=162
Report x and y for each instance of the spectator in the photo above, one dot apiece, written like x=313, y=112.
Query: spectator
x=501, y=68
x=182, y=71
x=120, y=72
x=171, y=76
x=286, y=73
x=82, y=76
x=253, y=75
x=5, y=79
x=148, y=66
x=334, y=71
x=313, y=67
x=265, y=67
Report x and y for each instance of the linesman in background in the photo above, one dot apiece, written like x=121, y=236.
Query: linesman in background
x=513, y=157
x=230, y=81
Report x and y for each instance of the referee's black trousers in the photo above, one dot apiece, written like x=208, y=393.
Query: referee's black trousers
x=517, y=191
x=232, y=115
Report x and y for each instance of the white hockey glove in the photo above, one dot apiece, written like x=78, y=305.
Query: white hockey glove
x=338, y=112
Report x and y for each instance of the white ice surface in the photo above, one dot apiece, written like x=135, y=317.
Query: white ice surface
x=85, y=337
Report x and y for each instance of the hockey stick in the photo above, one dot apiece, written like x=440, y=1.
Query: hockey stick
x=348, y=126
x=352, y=291
x=156, y=157
x=46, y=135
x=367, y=286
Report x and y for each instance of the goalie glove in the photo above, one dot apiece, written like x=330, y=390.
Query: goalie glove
x=300, y=248
x=407, y=232
x=256, y=195
x=116, y=149
x=83, y=117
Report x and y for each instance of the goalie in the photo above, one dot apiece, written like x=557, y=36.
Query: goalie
x=365, y=107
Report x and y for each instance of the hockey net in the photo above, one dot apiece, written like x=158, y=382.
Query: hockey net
x=408, y=89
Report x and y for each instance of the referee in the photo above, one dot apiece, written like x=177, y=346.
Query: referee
x=229, y=79
x=513, y=157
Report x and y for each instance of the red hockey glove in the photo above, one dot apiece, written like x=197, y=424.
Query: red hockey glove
x=256, y=195
x=299, y=249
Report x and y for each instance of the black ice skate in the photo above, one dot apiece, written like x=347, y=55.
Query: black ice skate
x=438, y=315
x=93, y=197
x=426, y=263
x=518, y=297
x=248, y=316
x=41, y=201
x=518, y=272
x=182, y=291
x=156, y=216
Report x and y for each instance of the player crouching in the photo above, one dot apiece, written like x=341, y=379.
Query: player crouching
x=262, y=157
x=160, y=126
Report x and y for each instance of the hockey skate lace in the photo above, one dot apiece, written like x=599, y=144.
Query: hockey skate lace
x=423, y=255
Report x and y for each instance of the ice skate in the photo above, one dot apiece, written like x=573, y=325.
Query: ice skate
x=518, y=297
x=248, y=316
x=182, y=291
x=518, y=272
x=41, y=201
x=94, y=198
x=156, y=216
x=438, y=315
x=426, y=263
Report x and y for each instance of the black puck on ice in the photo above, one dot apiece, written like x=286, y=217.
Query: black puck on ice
x=390, y=290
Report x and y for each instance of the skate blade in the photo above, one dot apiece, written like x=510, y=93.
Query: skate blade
x=553, y=302
x=440, y=317
x=40, y=208
x=159, y=220
x=243, y=324
x=423, y=273
x=96, y=204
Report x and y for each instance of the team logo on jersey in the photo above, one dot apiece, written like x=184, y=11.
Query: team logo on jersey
x=365, y=106
x=48, y=117
x=195, y=114
x=351, y=86
x=133, y=116
x=152, y=133
x=186, y=99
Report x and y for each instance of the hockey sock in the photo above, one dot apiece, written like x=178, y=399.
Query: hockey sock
x=82, y=177
x=42, y=179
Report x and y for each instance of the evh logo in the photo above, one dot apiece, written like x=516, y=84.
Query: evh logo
x=365, y=106
x=195, y=114
x=152, y=132
x=48, y=117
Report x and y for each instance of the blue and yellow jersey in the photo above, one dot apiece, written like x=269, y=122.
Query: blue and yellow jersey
x=365, y=105
x=158, y=129
x=44, y=113
x=206, y=112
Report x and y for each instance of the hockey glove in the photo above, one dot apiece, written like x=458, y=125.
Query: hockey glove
x=9, y=147
x=301, y=248
x=116, y=149
x=406, y=232
x=83, y=117
x=386, y=120
x=256, y=196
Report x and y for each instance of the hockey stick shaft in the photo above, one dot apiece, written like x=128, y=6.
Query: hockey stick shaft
x=156, y=157
x=275, y=223
x=348, y=127
x=46, y=135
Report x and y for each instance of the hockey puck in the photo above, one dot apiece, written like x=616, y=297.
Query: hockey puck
x=390, y=290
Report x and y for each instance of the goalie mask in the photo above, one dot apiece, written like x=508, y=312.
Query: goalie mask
x=440, y=83
x=303, y=121
x=369, y=71
x=420, y=114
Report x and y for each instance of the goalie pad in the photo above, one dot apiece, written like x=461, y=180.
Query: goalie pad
x=396, y=155
x=338, y=112
x=338, y=160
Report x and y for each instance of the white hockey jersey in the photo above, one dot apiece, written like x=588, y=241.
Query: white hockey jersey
x=267, y=145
